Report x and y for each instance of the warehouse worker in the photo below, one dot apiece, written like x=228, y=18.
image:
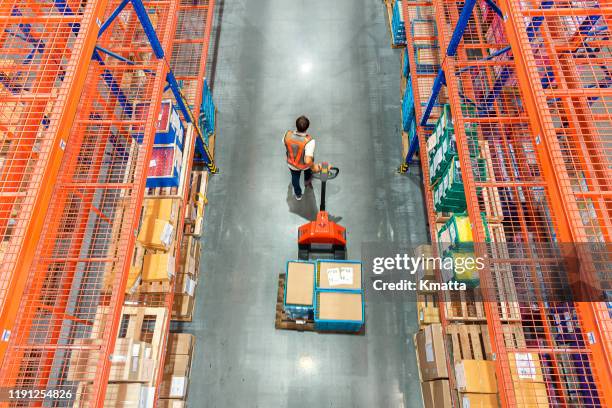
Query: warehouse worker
x=300, y=148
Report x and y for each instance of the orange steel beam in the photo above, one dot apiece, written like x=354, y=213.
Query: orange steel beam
x=162, y=69
x=74, y=83
x=563, y=204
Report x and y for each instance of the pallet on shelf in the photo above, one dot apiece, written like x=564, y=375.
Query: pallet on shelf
x=460, y=306
x=389, y=9
x=469, y=342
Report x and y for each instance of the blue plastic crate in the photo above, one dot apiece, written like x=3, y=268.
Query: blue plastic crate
x=299, y=311
x=406, y=64
x=412, y=131
x=324, y=264
x=169, y=129
x=206, y=119
x=407, y=106
x=348, y=322
x=397, y=24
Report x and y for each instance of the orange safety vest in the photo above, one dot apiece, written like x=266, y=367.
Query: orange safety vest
x=295, y=146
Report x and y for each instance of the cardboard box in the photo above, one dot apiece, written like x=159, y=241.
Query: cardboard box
x=528, y=380
x=175, y=376
x=158, y=267
x=436, y=394
x=190, y=255
x=525, y=367
x=180, y=343
x=330, y=268
x=156, y=234
x=427, y=310
x=123, y=395
x=133, y=280
x=431, y=352
x=131, y=361
x=83, y=362
x=177, y=365
x=476, y=376
x=161, y=208
x=185, y=284
x=530, y=395
x=340, y=306
x=300, y=283
x=425, y=270
x=173, y=387
x=479, y=401
x=182, y=309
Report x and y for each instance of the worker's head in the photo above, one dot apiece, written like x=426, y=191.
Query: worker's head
x=302, y=123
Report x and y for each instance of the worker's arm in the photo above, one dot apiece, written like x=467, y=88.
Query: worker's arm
x=315, y=167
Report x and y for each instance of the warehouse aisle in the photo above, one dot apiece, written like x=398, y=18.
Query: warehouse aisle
x=332, y=62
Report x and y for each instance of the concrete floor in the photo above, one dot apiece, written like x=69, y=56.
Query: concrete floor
x=332, y=62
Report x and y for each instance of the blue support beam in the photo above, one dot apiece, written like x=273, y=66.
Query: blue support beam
x=435, y=91
x=121, y=58
x=495, y=8
x=145, y=21
x=112, y=17
x=464, y=18
x=148, y=28
x=114, y=87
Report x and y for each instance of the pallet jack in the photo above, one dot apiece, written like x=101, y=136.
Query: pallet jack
x=322, y=238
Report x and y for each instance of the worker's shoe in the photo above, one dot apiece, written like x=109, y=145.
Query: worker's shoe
x=298, y=197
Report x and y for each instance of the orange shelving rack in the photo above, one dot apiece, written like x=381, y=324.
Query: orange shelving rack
x=69, y=313
x=529, y=84
x=44, y=50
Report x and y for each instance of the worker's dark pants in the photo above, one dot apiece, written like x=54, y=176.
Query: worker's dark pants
x=295, y=179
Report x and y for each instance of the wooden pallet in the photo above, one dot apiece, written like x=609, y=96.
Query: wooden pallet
x=389, y=8
x=282, y=321
x=469, y=342
x=405, y=145
x=154, y=287
x=461, y=307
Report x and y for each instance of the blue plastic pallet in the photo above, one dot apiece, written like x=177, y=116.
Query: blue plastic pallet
x=407, y=106
x=397, y=24
x=207, y=111
x=295, y=311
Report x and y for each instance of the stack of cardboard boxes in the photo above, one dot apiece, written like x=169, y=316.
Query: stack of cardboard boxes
x=431, y=358
x=173, y=390
x=476, y=383
x=527, y=380
x=186, y=279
